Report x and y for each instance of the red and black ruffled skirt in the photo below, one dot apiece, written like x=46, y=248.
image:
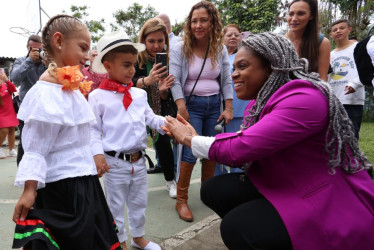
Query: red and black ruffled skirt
x=68, y=214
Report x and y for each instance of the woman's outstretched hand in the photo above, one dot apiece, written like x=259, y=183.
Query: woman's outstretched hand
x=179, y=129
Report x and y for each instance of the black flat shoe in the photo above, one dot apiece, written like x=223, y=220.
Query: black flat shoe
x=155, y=170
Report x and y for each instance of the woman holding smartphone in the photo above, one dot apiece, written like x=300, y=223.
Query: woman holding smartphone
x=202, y=81
x=154, y=79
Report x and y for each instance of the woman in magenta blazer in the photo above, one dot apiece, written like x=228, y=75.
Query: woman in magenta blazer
x=306, y=185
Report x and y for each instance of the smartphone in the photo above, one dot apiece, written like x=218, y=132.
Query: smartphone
x=163, y=59
x=2, y=71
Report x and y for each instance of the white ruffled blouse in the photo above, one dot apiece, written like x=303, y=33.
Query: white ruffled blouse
x=56, y=135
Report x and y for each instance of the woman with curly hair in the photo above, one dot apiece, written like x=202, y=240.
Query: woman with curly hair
x=201, y=67
x=305, y=184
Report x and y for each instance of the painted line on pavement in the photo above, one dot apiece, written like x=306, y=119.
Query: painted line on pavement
x=5, y=201
x=190, y=232
x=154, y=189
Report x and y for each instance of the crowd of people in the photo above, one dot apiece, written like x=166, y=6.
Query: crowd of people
x=284, y=172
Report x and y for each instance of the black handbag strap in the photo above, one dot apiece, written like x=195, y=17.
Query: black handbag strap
x=202, y=67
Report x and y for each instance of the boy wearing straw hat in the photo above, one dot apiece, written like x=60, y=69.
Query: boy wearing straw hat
x=119, y=137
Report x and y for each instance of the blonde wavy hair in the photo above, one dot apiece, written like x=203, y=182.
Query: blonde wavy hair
x=150, y=26
x=215, y=36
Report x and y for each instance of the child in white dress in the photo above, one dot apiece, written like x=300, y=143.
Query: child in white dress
x=63, y=205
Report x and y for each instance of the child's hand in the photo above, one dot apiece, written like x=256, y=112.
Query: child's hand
x=179, y=128
x=26, y=201
x=349, y=90
x=101, y=165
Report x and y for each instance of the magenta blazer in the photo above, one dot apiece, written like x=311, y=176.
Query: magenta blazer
x=320, y=209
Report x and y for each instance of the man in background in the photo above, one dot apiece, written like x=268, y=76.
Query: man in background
x=25, y=73
x=172, y=38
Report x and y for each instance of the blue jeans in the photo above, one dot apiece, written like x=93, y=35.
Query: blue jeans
x=233, y=126
x=355, y=113
x=204, y=112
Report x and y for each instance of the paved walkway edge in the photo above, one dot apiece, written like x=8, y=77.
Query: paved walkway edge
x=181, y=237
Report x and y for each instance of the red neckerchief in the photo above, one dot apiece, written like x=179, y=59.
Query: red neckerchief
x=112, y=85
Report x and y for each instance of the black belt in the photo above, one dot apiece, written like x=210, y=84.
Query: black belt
x=127, y=157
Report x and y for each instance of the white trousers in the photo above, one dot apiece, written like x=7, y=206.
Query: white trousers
x=126, y=185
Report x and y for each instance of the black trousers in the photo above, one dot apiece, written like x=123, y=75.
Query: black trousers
x=165, y=155
x=355, y=113
x=20, y=151
x=249, y=220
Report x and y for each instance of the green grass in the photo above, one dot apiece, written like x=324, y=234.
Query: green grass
x=367, y=139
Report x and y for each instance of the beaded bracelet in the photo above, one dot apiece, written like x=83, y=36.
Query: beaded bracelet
x=143, y=81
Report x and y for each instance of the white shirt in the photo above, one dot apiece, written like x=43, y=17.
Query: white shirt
x=119, y=129
x=56, y=135
x=345, y=74
x=173, y=39
x=200, y=146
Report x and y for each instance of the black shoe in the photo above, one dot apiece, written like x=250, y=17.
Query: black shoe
x=155, y=170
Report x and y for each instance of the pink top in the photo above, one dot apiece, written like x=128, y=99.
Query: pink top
x=208, y=82
x=290, y=168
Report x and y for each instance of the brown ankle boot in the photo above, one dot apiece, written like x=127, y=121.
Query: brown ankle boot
x=207, y=169
x=182, y=191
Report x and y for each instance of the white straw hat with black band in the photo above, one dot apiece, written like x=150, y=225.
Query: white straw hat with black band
x=109, y=42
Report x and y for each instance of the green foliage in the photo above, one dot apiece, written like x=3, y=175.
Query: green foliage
x=79, y=11
x=369, y=105
x=133, y=19
x=366, y=140
x=356, y=12
x=177, y=28
x=250, y=15
x=96, y=28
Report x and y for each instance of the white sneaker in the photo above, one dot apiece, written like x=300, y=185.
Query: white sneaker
x=12, y=153
x=150, y=246
x=171, y=186
x=2, y=155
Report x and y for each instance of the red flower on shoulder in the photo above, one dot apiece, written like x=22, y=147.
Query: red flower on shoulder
x=70, y=77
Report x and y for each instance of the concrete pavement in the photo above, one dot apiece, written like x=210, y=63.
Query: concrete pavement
x=162, y=222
